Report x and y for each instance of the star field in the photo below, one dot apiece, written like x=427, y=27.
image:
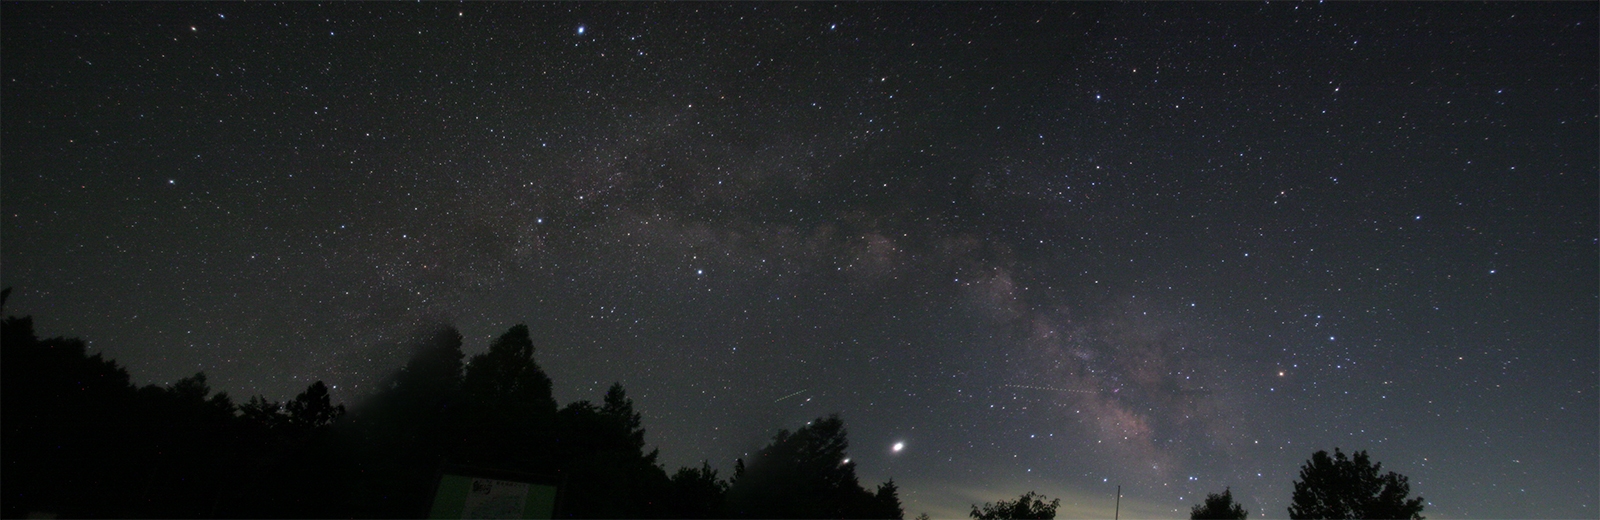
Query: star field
x=1053, y=247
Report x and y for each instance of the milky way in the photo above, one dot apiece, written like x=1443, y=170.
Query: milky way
x=1052, y=247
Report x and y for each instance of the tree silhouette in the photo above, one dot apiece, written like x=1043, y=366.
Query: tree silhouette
x=619, y=407
x=602, y=457
x=507, y=375
x=401, y=436
x=507, y=415
x=268, y=415
x=294, y=466
x=1029, y=506
x=1218, y=507
x=696, y=493
x=805, y=474
x=886, y=502
x=313, y=408
x=69, y=426
x=185, y=445
x=1350, y=487
x=82, y=441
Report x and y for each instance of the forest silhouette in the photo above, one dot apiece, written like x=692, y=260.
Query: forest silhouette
x=81, y=440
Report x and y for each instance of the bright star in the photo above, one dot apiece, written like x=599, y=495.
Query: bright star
x=581, y=29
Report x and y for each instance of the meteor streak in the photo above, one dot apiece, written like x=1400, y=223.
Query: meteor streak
x=791, y=395
x=1035, y=387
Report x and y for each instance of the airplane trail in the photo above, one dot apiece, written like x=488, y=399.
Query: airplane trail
x=1035, y=387
x=791, y=395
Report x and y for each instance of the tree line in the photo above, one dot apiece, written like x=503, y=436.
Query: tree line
x=81, y=440
x=1339, y=486
x=1336, y=487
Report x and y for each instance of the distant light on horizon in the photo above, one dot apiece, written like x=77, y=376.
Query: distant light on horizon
x=750, y=228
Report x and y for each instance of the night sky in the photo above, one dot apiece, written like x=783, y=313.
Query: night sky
x=1054, y=247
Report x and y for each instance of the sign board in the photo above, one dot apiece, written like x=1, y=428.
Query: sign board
x=474, y=496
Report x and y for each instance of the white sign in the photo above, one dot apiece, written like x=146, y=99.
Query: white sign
x=489, y=498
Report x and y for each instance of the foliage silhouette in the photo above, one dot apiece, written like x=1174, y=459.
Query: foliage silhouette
x=294, y=465
x=603, y=460
x=82, y=440
x=1218, y=507
x=696, y=493
x=1350, y=487
x=507, y=415
x=1029, y=506
x=805, y=474
x=312, y=409
x=268, y=415
x=67, y=425
x=886, y=502
x=403, y=434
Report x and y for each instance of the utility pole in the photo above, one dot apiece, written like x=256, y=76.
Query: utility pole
x=1117, y=514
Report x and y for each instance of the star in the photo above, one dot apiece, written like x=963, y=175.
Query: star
x=925, y=254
